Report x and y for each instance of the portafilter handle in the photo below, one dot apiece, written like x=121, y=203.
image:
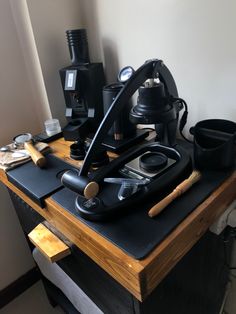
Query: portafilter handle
x=80, y=184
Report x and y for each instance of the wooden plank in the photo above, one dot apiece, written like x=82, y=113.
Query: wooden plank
x=109, y=257
x=141, y=277
x=48, y=244
x=113, y=260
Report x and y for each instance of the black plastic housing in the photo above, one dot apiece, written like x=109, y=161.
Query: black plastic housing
x=84, y=104
x=122, y=124
x=82, y=84
x=78, y=46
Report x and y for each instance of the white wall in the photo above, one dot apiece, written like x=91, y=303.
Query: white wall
x=17, y=109
x=195, y=39
x=33, y=48
x=16, y=93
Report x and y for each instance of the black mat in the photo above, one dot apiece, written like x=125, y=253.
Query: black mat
x=136, y=233
x=39, y=183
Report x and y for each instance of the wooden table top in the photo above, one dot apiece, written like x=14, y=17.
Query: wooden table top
x=139, y=277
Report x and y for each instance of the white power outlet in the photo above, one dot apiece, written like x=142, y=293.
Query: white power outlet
x=227, y=218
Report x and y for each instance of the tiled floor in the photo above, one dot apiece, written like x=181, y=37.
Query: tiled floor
x=32, y=301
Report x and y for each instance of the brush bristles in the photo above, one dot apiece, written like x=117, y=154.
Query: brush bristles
x=195, y=176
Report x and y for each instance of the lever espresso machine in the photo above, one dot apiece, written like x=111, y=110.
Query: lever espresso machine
x=145, y=173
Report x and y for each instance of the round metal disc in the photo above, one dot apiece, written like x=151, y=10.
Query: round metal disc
x=153, y=161
x=125, y=74
x=22, y=138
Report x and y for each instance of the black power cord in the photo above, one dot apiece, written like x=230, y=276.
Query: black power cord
x=183, y=119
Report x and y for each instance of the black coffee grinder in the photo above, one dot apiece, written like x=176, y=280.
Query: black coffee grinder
x=123, y=134
x=82, y=83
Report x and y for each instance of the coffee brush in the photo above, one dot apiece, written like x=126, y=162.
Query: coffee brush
x=179, y=190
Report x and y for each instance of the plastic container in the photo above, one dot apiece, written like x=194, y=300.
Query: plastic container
x=214, y=144
x=52, y=126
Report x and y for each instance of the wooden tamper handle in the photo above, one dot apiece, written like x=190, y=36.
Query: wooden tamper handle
x=36, y=156
x=91, y=190
x=179, y=190
x=80, y=184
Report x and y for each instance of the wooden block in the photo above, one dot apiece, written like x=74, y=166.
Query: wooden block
x=48, y=244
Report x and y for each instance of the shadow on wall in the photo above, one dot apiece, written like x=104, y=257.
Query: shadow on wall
x=105, y=50
x=111, y=62
x=89, y=19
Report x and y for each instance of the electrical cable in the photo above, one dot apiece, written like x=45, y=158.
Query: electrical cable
x=183, y=119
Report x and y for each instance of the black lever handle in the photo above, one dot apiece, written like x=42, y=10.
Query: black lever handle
x=147, y=70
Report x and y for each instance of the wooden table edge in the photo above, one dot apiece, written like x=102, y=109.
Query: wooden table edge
x=123, y=268
x=156, y=266
x=139, y=277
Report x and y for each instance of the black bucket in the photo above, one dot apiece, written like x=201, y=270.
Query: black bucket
x=214, y=144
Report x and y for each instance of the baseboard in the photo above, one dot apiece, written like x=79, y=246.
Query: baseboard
x=19, y=286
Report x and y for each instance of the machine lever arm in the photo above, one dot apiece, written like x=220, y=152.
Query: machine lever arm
x=148, y=70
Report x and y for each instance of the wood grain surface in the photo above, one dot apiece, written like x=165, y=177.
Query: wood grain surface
x=37, y=157
x=179, y=190
x=48, y=243
x=139, y=277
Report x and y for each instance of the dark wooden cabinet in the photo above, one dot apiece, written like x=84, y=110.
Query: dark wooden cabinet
x=195, y=285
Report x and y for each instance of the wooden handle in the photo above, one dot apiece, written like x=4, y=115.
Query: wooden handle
x=48, y=243
x=91, y=190
x=180, y=189
x=36, y=156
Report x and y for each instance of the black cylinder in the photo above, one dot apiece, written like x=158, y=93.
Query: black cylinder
x=72, y=181
x=122, y=126
x=152, y=103
x=78, y=46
